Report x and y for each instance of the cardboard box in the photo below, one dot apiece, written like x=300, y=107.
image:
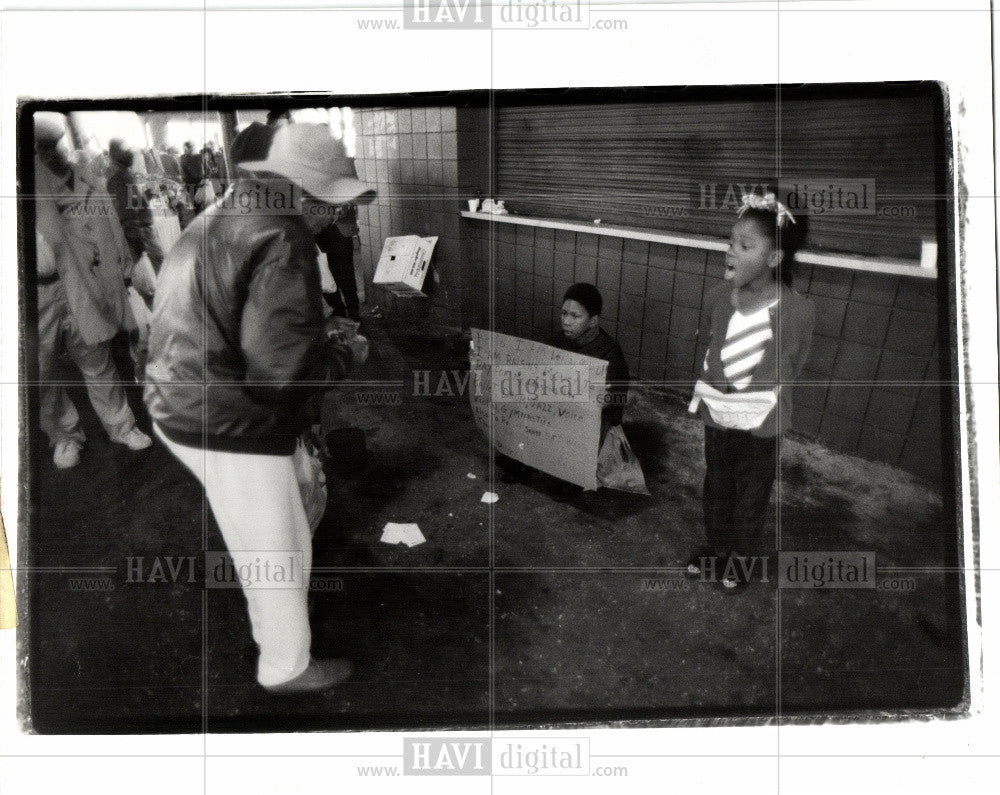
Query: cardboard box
x=403, y=265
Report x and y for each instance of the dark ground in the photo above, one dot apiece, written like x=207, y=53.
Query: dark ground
x=575, y=633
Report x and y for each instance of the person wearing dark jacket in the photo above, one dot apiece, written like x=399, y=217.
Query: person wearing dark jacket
x=192, y=168
x=237, y=348
x=336, y=240
x=582, y=333
x=171, y=164
x=131, y=204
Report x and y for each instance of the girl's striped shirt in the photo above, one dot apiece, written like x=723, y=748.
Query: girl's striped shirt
x=747, y=337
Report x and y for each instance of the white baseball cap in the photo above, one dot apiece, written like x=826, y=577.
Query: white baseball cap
x=310, y=157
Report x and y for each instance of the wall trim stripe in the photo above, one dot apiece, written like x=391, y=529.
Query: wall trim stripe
x=924, y=268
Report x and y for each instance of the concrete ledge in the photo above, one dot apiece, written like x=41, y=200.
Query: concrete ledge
x=924, y=268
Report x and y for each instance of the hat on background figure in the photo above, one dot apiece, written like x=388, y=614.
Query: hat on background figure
x=119, y=152
x=309, y=156
x=278, y=117
x=49, y=128
x=252, y=143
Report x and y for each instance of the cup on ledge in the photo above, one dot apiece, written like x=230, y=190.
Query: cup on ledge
x=473, y=205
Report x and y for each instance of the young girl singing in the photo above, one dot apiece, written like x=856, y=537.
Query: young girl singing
x=759, y=331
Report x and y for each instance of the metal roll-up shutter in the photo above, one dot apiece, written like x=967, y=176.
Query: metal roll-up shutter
x=646, y=164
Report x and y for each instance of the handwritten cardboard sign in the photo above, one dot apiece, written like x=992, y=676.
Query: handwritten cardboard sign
x=538, y=404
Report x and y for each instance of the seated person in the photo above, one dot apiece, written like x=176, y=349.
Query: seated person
x=581, y=332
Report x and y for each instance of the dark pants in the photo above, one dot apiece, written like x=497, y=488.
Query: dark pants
x=143, y=240
x=739, y=475
x=339, y=252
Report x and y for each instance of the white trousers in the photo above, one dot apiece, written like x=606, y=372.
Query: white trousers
x=57, y=414
x=258, y=507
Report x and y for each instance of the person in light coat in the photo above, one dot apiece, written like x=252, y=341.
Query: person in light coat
x=82, y=262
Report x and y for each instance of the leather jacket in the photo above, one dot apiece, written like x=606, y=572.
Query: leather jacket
x=237, y=346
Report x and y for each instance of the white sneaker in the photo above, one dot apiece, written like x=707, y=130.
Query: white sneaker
x=135, y=440
x=67, y=454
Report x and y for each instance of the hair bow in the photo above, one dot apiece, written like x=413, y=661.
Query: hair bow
x=751, y=201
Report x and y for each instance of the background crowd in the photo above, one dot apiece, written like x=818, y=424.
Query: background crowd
x=105, y=218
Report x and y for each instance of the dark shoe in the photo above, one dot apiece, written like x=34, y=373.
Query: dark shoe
x=319, y=675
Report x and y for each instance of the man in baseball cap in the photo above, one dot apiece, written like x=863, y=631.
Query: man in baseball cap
x=310, y=157
x=237, y=349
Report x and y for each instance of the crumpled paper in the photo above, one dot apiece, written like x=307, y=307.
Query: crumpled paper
x=397, y=533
